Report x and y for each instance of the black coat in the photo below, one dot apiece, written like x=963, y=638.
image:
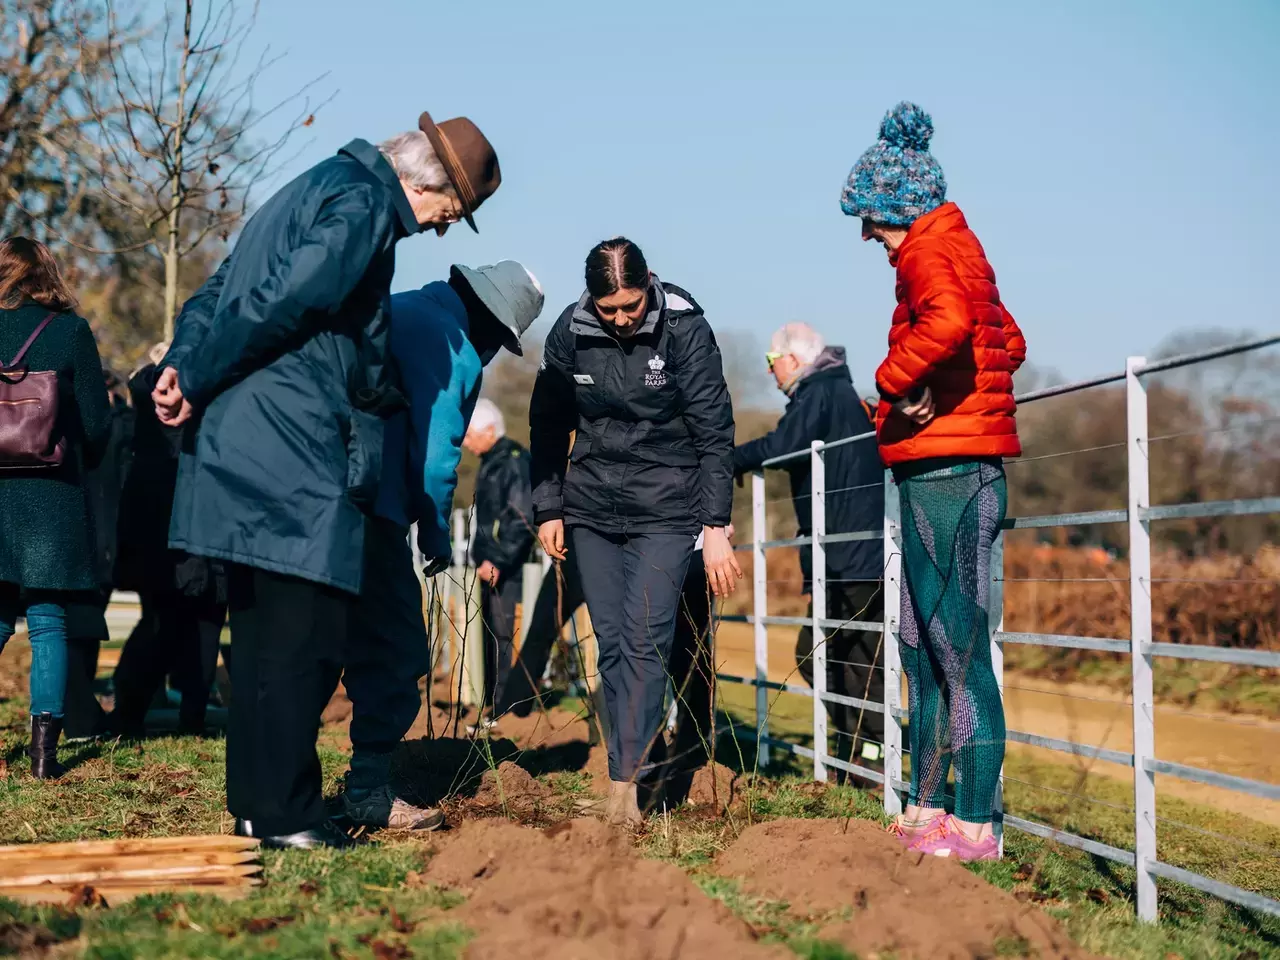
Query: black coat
x=653, y=450
x=46, y=531
x=504, y=508
x=283, y=352
x=824, y=406
x=106, y=486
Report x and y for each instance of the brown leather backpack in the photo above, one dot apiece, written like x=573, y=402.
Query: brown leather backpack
x=29, y=413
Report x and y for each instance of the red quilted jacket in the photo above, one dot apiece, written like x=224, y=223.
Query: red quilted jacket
x=951, y=334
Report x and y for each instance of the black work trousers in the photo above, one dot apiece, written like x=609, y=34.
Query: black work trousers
x=855, y=664
x=558, y=598
x=177, y=635
x=693, y=672
x=498, y=607
x=633, y=586
x=287, y=640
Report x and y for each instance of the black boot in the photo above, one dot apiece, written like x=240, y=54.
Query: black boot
x=45, y=731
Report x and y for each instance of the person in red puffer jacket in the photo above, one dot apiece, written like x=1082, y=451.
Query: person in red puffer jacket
x=944, y=422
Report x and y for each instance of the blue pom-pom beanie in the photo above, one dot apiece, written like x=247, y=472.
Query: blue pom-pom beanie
x=897, y=181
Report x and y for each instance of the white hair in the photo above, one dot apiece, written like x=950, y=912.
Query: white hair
x=488, y=415
x=800, y=340
x=415, y=162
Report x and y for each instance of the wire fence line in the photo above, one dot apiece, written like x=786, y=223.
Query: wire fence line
x=1142, y=649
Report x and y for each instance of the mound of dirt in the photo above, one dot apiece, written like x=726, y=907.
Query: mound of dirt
x=511, y=786
x=904, y=903
x=576, y=891
x=338, y=709
x=714, y=786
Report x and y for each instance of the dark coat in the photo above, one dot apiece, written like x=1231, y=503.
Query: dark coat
x=283, y=353
x=824, y=406
x=653, y=452
x=46, y=531
x=106, y=486
x=504, y=508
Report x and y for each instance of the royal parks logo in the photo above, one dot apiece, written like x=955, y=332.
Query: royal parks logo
x=656, y=377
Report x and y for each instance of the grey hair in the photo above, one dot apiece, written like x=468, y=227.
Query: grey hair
x=415, y=162
x=799, y=340
x=487, y=414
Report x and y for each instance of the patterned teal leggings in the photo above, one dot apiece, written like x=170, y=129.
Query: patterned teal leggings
x=950, y=519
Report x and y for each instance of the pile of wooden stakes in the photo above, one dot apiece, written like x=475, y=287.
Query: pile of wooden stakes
x=111, y=871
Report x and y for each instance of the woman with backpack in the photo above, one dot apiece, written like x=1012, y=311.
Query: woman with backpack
x=633, y=371
x=944, y=424
x=55, y=420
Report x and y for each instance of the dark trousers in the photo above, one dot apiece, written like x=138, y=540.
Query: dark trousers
x=82, y=715
x=693, y=672
x=287, y=638
x=854, y=669
x=387, y=651
x=498, y=607
x=558, y=597
x=633, y=587
x=177, y=635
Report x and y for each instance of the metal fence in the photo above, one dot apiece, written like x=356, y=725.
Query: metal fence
x=1142, y=647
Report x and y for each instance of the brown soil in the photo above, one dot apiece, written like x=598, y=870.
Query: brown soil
x=576, y=891
x=714, y=786
x=511, y=787
x=912, y=905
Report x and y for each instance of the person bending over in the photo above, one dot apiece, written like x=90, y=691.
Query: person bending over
x=442, y=336
x=633, y=370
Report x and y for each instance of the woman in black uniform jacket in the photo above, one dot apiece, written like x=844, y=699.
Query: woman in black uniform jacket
x=634, y=369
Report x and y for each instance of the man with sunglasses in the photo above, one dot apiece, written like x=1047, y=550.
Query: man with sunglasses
x=823, y=405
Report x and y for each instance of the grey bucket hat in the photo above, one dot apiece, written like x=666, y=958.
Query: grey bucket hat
x=510, y=291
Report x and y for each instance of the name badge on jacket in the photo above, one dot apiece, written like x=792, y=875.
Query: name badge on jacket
x=584, y=379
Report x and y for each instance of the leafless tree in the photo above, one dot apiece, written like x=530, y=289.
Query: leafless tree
x=49, y=51
x=179, y=142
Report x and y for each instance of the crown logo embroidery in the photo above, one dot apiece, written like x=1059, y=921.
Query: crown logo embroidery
x=656, y=364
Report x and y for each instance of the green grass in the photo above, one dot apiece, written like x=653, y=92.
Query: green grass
x=367, y=903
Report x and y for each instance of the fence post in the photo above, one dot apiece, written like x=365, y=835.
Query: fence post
x=891, y=655
x=995, y=624
x=1144, y=737
x=760, y=609
x=818, y=502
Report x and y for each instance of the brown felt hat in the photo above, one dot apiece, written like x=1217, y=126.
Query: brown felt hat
x=468, y=159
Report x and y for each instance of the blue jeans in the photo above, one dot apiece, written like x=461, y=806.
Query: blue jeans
x=47, y=631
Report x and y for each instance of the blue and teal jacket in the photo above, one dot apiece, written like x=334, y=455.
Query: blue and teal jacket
x=441, y=374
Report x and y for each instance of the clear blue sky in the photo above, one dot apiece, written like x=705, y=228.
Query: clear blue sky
x=1119, y=160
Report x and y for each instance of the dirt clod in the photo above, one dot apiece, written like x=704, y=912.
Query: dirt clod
x=912, y=905
x=714, y=786
x=510, y=786
x=577, y=892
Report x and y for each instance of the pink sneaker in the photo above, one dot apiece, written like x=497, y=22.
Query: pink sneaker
x=908, y=832
x=946, y=839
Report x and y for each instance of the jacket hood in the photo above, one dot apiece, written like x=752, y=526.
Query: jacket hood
x=371, y=158
x=832, y=361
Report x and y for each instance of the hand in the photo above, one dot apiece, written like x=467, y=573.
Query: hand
x=172, y=409
x=723, y=572
x=435, y=566
x=488, y=573
x=551, y=536
x=919, y=411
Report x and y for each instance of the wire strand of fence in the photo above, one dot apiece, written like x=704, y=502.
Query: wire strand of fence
x=1070, y=794
x=1204, y=831
x=1210, y=431
x=1064, y=453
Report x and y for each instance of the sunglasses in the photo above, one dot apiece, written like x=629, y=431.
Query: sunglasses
x=771, y=358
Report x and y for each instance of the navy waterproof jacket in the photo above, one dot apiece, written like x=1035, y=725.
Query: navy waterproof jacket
x=824, y=406
x=651, y=418
x=504, y=509
x=283, y=353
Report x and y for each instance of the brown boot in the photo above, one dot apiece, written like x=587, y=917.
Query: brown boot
x=623, y=808
x=45, y=731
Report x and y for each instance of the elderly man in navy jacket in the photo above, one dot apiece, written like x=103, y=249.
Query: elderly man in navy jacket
x=282, y=358
x=823, y=405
